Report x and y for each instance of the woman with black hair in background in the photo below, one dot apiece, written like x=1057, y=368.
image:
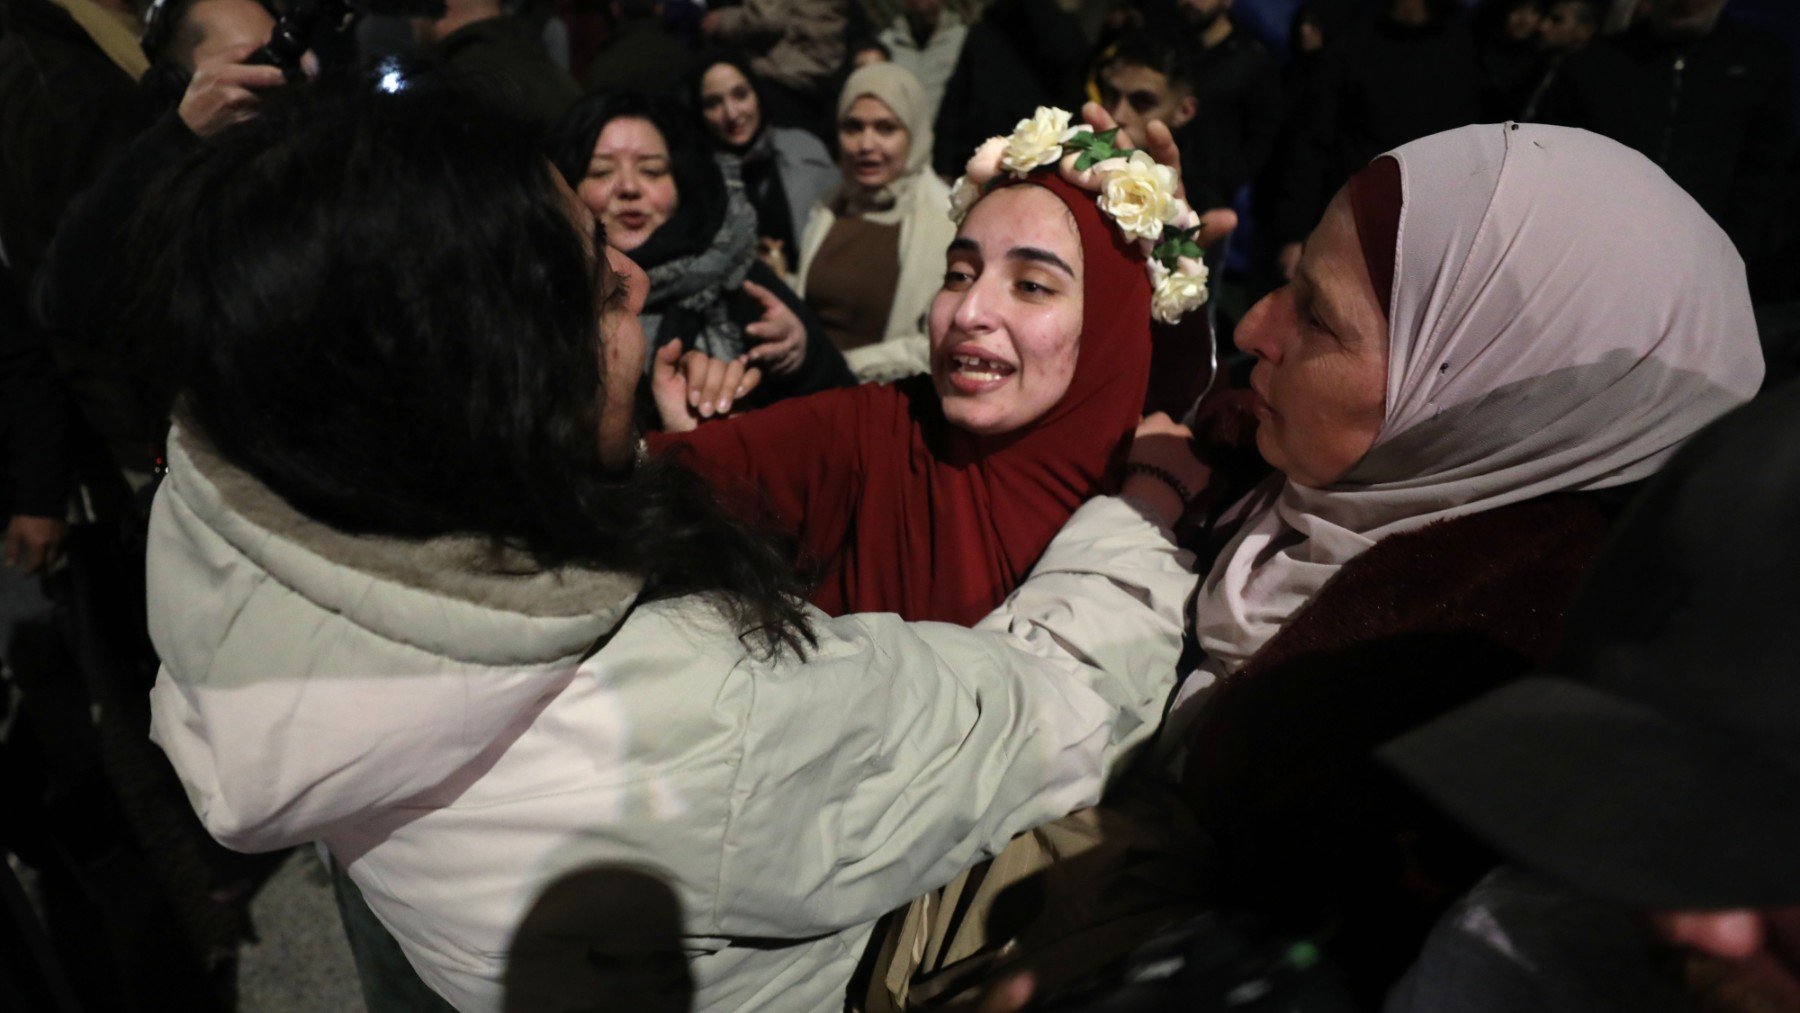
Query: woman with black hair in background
x=416, y=600
x=642, y=170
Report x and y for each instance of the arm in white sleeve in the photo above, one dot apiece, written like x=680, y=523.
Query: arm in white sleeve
x=902, y=753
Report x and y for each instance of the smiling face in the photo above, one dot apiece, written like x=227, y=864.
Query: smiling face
x=1006, y=328
x=629, y=186
x=1321, y=345
x=874, y=143
x=728, y=104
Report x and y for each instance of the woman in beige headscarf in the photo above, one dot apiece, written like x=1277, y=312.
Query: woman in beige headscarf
x=872, y=254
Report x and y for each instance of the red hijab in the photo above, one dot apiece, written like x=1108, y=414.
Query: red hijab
x=910, y=514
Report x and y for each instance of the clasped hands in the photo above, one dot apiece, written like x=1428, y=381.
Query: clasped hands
x=691, y=386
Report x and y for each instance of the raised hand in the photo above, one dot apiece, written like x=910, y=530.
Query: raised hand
x=33, y=543
x=692, y=386
x=780, y=336
x=1215, y=224
x=226, y=92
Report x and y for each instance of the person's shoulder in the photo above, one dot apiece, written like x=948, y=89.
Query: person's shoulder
x=799, y=144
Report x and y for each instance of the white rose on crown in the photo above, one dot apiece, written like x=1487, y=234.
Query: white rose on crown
x=1139, y=194
x=1038, y=141
x=1135, y=191
x=1175, y=292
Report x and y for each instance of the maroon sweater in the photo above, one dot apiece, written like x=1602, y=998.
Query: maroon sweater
x=1279, y=767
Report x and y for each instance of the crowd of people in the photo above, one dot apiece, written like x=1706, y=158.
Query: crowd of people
x=816, y=505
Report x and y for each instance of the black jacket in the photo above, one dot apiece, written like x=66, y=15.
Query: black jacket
x=503, y=53
x=1712, y=113
x=78, y=298
x=65, y=110
x=34, y=470
x=1240, y=106
x=643, y=56
x=1021, y=54
x=1280, y=768
x=1380, y=87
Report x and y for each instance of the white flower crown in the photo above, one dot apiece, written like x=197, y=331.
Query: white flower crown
x=1135, y=191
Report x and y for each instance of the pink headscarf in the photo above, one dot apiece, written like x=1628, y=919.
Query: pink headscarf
x=1562, y=317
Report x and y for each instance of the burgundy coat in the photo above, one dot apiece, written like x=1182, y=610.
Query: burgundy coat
x=1279, y=768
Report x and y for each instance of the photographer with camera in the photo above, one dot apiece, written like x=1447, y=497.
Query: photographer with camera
x=201, y=80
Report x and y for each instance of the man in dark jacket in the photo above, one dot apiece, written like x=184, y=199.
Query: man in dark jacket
x=1411, y=73
x=77, y=291
x=1239, y=88
x=1704, y=97
x=68, y=85
x=477, y=37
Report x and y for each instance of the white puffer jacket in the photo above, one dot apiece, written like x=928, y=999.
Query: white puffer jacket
x=463, y=735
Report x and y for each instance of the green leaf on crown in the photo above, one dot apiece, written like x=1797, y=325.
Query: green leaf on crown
x=1094, y=148
x=1177, y=243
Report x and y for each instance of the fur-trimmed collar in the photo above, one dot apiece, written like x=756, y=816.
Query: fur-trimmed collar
x=343, y=572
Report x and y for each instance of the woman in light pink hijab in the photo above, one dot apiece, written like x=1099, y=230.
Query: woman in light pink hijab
x=1550, y=313
x=1489, y=329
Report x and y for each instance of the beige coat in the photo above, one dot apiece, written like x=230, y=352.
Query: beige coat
x=475, y=740
x=925, y=232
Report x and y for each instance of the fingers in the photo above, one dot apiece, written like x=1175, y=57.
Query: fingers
x=667, y=357
x=1096, y=116
x=251, y=76
x=782, y=350
x=668, y=387
x=1009, y=995
x=221, y=95
x=1159, y=423
x=770, y=302
x=1163, y=148
x=713, y=384
x=1217, y=224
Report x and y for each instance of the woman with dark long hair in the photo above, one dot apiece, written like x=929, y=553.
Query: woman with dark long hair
x=785, y=169
x=416, y=600
x=640, y=166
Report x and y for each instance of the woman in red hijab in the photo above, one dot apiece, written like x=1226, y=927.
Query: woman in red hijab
x=932, y=497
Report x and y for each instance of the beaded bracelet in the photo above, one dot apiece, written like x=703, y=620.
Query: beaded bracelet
x=1163, y=475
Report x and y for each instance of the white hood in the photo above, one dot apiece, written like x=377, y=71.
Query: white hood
x=452, y=647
